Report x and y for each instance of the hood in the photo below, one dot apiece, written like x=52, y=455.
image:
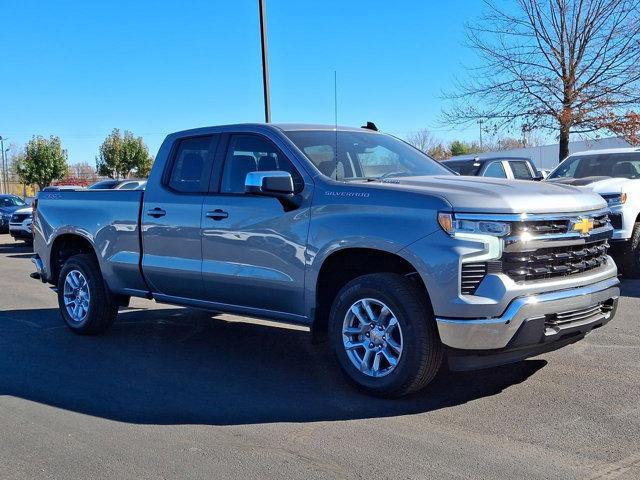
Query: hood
x=577, y=182
x=496, y=195
x=10, y=209
x=25, y=210
x=604, y=185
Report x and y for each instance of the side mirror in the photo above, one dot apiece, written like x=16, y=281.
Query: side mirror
x=270, y=183
x=538, y=177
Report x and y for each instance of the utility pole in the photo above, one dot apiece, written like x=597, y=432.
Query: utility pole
x=5, y=180
x=265, y=61
x=481, y=121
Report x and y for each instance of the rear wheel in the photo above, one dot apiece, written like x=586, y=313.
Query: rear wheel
x=384, y=336
x=86, y=305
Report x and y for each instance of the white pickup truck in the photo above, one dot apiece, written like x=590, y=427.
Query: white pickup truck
x=615, y=175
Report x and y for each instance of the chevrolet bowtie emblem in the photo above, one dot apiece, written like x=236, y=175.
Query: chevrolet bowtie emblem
x=584, y=226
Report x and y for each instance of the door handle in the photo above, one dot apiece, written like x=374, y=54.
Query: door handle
x=156, y=212
x=217, y=214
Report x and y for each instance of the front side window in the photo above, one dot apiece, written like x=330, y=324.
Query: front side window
x=614, y=165
x=253, y=153
x=520, y=170
x=191, y=166
x=495, y=170
x=359, y=155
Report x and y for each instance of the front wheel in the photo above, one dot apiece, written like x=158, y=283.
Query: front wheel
x=629, y=259
x=384, y=335
x=86, y=304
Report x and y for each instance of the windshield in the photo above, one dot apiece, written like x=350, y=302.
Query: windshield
x=618, y=165
x=465, y=168
x=11, y=202
x=363, y=155
x=104, y=185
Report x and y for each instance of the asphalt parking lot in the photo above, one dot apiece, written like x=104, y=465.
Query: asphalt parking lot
x=178, y=393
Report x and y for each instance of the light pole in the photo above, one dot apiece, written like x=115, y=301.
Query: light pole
x=265, y=62
x=481, y=121
x=6, y=168
x=5, y=180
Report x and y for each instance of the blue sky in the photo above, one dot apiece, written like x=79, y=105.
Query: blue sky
x=79, y=69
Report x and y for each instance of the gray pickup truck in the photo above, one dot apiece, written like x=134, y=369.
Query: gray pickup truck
x=400, y=264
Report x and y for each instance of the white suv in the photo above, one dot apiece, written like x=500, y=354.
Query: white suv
x=615, y=175
x=20, y=225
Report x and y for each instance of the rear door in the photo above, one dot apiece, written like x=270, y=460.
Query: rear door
x=521, y=170
x=171, y=215
x=495, y=169
x=253, y=246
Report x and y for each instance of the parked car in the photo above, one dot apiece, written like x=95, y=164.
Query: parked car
x=497, y=167
x=398, y=262
x=62, y=188
x=20, y=225
x=8, y=205
x=614, y=174
x=129, y=184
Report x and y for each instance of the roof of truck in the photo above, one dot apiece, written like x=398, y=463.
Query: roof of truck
x=606, y=151
x=285, y=127
x=482, y=159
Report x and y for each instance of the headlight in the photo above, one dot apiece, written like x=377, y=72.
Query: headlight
x=451, y=225
x=615, y=199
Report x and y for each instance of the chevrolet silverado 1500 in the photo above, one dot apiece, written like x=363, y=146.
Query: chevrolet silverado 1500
x=399, y=263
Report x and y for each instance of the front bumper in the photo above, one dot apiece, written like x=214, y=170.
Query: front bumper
x=533, y=310
x=21, y=230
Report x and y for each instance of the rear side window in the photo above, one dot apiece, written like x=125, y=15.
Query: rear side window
x=191, y=166
x=495, y=170
x=253, y=153
x=520, y=170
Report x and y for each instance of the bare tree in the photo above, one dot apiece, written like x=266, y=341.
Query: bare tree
x=422, y=140
x=569, y=66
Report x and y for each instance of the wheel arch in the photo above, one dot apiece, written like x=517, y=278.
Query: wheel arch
x=343, y=265
x=63, y=247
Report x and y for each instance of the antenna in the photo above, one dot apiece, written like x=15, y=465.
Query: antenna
x=335, y=118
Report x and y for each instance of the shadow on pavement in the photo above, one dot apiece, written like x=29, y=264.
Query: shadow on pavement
x=16, y=248
x=177, y=365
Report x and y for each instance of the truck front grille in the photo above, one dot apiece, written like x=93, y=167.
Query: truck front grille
x=554, y=261
x=543, y=247
x=552, y=226
x=19, y=217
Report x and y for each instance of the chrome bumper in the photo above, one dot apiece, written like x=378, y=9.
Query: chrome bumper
x=496, y=332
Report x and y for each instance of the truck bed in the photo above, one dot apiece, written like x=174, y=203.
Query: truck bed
x=110, y=219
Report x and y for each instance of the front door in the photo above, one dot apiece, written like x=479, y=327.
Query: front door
x=171, y=216
x=254, y=247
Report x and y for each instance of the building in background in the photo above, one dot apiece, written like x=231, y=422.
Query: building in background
x=546, y=156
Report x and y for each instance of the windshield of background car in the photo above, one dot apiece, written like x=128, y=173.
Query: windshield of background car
x=363, y=155
x=11, y=202
x=104, y=185
x=615, y=165
x=465, y=168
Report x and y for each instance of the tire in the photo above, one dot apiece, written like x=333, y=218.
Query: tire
x=420, y=356
x=629, y=259
x=95, y=307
